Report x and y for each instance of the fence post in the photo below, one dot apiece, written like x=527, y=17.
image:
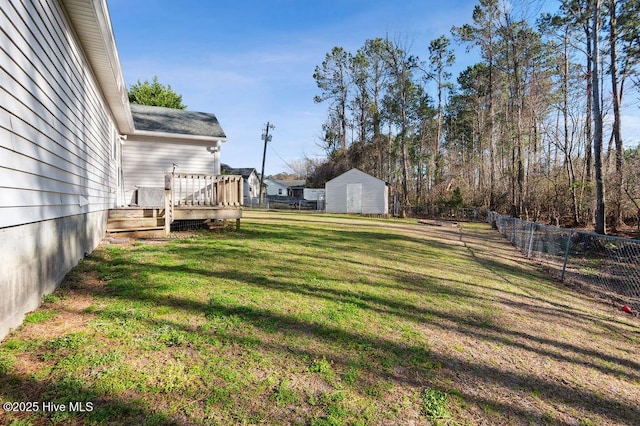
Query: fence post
x=566, y=255
x=533, y=232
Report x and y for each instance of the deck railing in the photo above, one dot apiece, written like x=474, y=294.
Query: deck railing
x=195, y=190
x=186, y=190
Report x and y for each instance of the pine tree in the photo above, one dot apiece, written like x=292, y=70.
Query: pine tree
x=155, y=94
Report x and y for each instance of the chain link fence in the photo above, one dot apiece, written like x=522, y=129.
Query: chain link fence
x=605, y=266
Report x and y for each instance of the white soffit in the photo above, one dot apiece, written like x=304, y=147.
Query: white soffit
x=90, y=19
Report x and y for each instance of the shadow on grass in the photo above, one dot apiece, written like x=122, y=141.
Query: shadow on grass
x=423, y=283
x=405, y=280
x=370, y=353
x=410, y=356
x=83, y=405
x=414, y=356
x=474, y=327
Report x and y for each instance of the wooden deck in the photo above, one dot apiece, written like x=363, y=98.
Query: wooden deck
x=187, y=197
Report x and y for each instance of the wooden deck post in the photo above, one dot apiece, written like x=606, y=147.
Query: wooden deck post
x=240, y=193
x=168, y=204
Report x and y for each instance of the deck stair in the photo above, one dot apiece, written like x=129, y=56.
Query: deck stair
x=136, y=221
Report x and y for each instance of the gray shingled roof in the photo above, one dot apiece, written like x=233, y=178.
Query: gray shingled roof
x=179, y=121
x=245, y=172
x=293, y=182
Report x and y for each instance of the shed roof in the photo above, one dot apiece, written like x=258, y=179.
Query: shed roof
x=355, y=175
x=176, y=121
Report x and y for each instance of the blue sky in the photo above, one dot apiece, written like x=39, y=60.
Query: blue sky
x=250, y=62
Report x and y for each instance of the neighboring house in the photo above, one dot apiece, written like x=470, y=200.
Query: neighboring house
x=251, y=186
x=315, y=197
x=167, y=140
x=275, y=188
x=293, y=188
x=356, y=192
x=63, y=107
x=314, y=194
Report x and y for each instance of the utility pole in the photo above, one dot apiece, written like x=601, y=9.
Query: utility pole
x=266, y=137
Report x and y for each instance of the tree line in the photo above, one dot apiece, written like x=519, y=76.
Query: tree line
x=533, y=129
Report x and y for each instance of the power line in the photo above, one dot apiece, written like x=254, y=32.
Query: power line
x=282, y=159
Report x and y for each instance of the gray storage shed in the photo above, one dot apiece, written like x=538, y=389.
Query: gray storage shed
x=357, y=192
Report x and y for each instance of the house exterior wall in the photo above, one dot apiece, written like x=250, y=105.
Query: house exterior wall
x=313, y=194
x=251, y=189
x=59, y=153
x=146, y=160
x=275, y=188
x=356, y=192
x=37, y=257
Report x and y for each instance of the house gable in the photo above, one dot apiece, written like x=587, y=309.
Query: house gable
x=356, y=175
x=166, y=140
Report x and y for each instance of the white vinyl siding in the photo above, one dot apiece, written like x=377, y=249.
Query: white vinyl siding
x=145, y=163
x=251, y=188
x=56, y=133
x=274, y=188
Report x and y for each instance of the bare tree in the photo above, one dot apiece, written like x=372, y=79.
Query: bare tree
x=486, y=17
x=597, y=118
x=332, y=78
x=441, y=57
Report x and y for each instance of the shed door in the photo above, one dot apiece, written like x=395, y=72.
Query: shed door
x=354, y=198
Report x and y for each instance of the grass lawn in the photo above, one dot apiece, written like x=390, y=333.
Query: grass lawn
x=321, y=320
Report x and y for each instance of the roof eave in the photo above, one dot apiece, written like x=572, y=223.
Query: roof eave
x=166, y=135
x=91, y=22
